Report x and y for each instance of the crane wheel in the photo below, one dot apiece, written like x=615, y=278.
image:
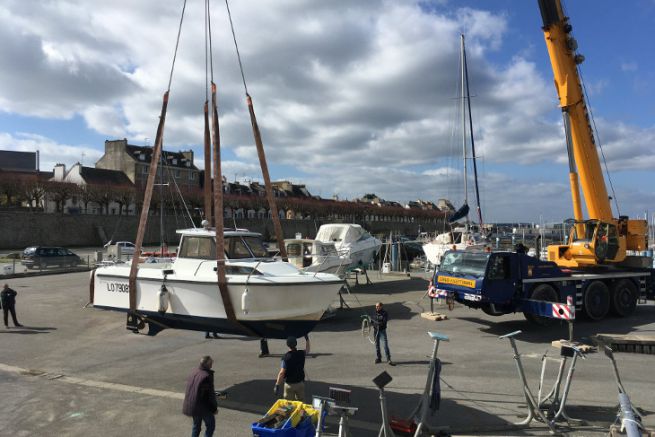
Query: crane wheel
x=596, y=300
x=547, y=293
x=623, y=297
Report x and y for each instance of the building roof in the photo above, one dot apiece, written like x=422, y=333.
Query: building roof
x=18, y=161
x=173, y=159
x=41, y=175
x=98, y=176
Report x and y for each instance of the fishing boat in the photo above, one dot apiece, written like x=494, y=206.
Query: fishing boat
x=316, y=256
x=271, y=298
x=221, y=280
x=352, y=241
x=466, y=236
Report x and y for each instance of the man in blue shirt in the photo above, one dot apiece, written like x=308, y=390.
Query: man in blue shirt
x=380, y=329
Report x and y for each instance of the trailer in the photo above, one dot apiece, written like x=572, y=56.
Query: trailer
x=501, y=283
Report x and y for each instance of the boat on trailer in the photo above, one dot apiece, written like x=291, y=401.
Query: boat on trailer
x=271, y=298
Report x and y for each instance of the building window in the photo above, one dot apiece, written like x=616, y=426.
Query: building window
x=192, y=176
x=144, y=169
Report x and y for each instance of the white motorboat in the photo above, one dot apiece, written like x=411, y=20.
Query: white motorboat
x=351, y=240
x=463, y=237
x=460, y=238
x=270, y=298
x=316, y=256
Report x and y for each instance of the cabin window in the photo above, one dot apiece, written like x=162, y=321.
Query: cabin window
x=256, y=247
x=198, y=247
x=499, y=268
x=237, y=249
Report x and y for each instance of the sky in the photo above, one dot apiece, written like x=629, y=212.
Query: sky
x=351, y=97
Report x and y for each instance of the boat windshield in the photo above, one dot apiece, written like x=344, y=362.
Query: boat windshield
x=236, y=247
x=239, y=247
x=465, y=263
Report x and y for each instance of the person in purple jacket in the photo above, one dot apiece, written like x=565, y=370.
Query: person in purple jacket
x=200, y=398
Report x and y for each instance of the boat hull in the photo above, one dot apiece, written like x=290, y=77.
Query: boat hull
x=264, y=306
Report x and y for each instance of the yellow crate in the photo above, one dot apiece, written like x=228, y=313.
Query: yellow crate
x=311, y=412
x=295, y=415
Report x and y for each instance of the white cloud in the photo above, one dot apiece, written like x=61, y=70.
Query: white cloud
x=356, y=96
x=50, y=151
x=629, y=66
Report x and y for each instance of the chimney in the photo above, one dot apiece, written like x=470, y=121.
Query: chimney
x=188, y=154
x=59, y=172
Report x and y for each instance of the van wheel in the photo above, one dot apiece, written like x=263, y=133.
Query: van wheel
x=597, y=300
x=547, y=293
x=623, y=297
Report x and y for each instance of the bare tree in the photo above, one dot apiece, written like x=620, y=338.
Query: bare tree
x=59, y=192
x=33, y=191
x=102, y=195
x=124, y=195
x=10, y=189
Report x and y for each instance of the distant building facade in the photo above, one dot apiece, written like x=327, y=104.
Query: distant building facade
x=134, y=161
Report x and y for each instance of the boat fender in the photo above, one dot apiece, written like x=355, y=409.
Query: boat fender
x=164, y=299
x=246, y=301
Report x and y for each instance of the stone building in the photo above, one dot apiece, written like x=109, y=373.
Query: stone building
x=134, y=161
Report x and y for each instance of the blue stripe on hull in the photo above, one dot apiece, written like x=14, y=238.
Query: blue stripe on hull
x=280, y=329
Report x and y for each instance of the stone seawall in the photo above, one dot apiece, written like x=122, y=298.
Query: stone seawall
x=19, y=229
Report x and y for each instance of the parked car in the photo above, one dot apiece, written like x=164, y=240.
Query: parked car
x=42, y=257
x=127, y=248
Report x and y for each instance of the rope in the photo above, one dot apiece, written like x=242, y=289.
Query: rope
x=366, y=329
x=236, y=46
x=177, y=43
x=600, y=146
x=211, y=59
x=206, y=51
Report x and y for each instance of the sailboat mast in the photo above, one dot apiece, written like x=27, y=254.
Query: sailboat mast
x=473, y=157
x=466, y=198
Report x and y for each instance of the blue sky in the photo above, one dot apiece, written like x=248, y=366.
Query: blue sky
x=352, y=98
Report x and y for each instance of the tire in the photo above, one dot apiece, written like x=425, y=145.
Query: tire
x=542, y=292
x=596, y=300
x=623, y=297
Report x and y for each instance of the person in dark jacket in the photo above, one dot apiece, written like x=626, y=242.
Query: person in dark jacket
x=292, y=372
x=8, y=301
x=380, y=329
x=200, y=398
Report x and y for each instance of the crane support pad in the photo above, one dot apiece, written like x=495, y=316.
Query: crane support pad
x=632, y=343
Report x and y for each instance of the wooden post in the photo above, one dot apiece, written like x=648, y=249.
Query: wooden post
x=147, y=197
x=267, y=180
x=207, y=194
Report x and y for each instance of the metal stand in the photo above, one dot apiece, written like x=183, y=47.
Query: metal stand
x=342, y=301
x=381, y=381
x=329, y=404
x=556, y=407
x=533, y=406
x=424, y=404
x=628, y=414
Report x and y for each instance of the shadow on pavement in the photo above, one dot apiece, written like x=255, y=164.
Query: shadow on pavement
x=583, y=328
x=257, y=397
x=350, y=319
x=28, y=330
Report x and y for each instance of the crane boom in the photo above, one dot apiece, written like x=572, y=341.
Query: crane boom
x=600, y=239
x=561, y=49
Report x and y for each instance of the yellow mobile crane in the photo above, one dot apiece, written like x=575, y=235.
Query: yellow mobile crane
x=601, y=239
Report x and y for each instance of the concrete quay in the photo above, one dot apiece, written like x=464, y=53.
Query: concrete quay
x=76, y=371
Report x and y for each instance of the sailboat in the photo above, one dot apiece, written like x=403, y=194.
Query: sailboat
x=466, y=236
x=222, y=280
